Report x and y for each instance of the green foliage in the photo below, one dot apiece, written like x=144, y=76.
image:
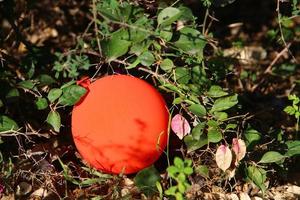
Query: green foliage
x=7, y=124
x=54, y=120
x=179, y=172
x=146, y=180
x=272, y=156
x=293, y=110
x=258, y=176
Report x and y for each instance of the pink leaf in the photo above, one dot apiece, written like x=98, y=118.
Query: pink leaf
x=223, y=157
x=239, y=148
x=180, y=126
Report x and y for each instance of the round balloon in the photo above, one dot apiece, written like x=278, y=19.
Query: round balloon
x=121, y=125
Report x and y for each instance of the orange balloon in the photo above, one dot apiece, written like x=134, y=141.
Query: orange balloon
x=121, y=124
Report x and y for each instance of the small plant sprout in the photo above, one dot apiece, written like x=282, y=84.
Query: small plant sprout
x=179, y=173
x=294, y=109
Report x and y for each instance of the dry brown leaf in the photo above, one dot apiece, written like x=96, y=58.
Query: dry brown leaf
x=244, y=196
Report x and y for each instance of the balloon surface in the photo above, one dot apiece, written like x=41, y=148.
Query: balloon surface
x=121, y=125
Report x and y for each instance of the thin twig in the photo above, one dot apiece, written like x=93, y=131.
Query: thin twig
x=281, y=31
x=96, y=26
x=281, y=53
x=269, y=68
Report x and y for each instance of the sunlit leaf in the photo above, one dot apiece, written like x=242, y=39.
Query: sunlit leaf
x=167, y=16
x=54, y=120
x=239, y=148
x=223, y=157
x=198, y=110
x=146, y=58
x=257, y=176
x=180, y=126
x=71, y=95
x=216, y=91
x=167, y=65
x=252, y=136
x=7, y=124
x=244, y=196
x=293, y=148
x=272, y=156
x=224, y=103
x=182, y=75
x=54, y=94
x=191, y=41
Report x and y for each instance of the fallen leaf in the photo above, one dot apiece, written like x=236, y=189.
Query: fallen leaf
x=233, y=196
x=180, y=126
x=223, y=157
x=239, y=148
x=244, y=196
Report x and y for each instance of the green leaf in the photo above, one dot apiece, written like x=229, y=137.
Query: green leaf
x=293, y=148
x=171, y=191
x=67, y=84
x=216, y=91
x=230, y=126
x=91, y=181
x=198, y=110
x=134, y=64
x=54, y=94
x=178, y=100
x=115, y=48
x=45, y=79
x=252, y=136
x=167, y=16
x=181, y=187
x=26, y=84
x=166, y=33
x=224, y=103
x=146, y=180
x=221, y=115
x=193, y=145
x=14, y=92
x=117, y=45
x=191, y=41
x=198, y=130
x=257, y=176
x=147, y=58
x=179, y=196
x=202, y=170
x=290, y=110
x=196, y=139
x=41, y=103
x=71, y=95
x=214, y=135
x=7, y=124
x=167, y=65
x=160, y=189
x=172, y=170
x=182, y=75
x=188, y=170
x=54, y=120
x=178, y=162
x=271, y=157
